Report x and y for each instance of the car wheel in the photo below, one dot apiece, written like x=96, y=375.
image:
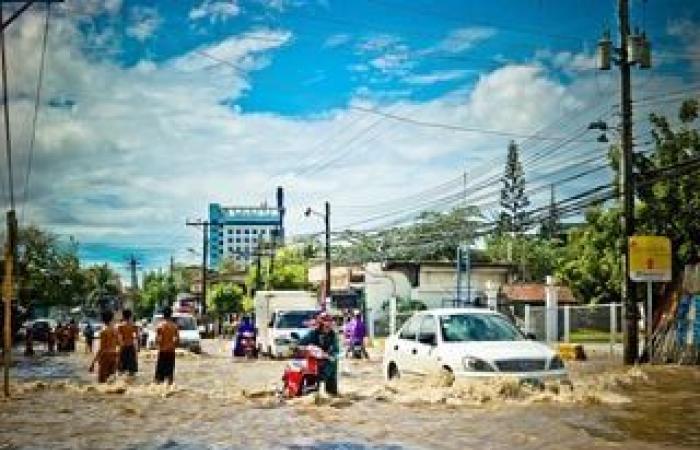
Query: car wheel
x=392, y=372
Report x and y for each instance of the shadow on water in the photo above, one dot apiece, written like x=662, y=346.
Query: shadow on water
x=44, y=367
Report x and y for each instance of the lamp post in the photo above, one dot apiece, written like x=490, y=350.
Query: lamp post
x=327, y=219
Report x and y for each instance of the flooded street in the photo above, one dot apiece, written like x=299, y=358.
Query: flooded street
x=220, y=404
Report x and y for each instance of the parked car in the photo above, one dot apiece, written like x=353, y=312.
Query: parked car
x=189, y=333
x=41, y=328
x=468, y=342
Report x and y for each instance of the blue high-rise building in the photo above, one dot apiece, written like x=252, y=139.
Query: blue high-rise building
x=236, y=232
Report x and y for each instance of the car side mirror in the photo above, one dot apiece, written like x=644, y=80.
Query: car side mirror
x=531, y=336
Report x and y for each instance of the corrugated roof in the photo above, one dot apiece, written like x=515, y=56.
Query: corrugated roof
x=535, y=293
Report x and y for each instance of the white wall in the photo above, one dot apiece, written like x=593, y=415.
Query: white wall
x=380, y=285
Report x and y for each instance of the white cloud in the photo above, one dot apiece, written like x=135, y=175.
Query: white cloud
x=463, y=39
x=336, y=40
x=437, y=76
x=143, y=148
x=215, y=11
x=144, y=23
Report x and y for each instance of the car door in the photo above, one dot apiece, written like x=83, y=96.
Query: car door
x=425, y=357
x=405, y=346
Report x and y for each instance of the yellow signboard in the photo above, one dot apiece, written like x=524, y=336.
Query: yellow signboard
x=650, y=258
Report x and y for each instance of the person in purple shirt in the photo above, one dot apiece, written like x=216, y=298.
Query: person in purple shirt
x=358, y=333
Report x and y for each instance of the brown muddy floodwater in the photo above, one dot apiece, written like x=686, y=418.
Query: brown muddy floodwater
x=220, y=404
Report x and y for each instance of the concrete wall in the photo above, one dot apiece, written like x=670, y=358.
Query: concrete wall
x=380, y=285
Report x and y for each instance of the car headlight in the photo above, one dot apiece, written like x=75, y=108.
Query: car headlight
x=476, y=365
x=556, y=363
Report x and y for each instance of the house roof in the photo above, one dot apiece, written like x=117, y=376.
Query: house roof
x=388, y=265
x=535, y=293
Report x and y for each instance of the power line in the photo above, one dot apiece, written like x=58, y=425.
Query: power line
x=37, y=102
x=456, y=127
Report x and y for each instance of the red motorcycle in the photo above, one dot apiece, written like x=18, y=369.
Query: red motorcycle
x=301, y=374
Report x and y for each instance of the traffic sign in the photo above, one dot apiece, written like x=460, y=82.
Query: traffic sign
x=650, y=258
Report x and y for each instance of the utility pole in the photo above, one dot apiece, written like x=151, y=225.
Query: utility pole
x=8, y=288
x=8, y=294
x=328, y=249
x=634, y=49
x=205, y=251
x=631, y=347
x=258, y=269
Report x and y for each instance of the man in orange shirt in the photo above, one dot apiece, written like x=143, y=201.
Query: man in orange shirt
x=128, y=337
x=106, y=356
x=167, y=338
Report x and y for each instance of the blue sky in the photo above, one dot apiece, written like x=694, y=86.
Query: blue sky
x=153, y=109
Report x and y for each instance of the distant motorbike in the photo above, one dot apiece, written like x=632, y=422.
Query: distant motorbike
x=301, y=376
x=248, y=344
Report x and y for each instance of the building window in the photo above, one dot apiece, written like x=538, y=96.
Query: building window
x=238, y=231
x=238, y=240
x=255, y=231
x=230, y=240
x=254, y=240
x=263, y=231
x=230, y=249
x=246, y=231
x=246, y=240
x=230, y=231
x=221, y=243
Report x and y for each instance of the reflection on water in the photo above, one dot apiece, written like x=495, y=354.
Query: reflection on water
x=220, y=404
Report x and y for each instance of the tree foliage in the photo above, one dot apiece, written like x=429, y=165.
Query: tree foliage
x=158, y=291
x=225, y=298
x=50, y=270
x=534, y=257
x=434, y=236
x=670, y=206
x=289, y=271
x=590, y=265
x=513, y=198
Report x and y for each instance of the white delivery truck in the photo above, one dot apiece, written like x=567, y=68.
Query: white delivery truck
x=281, y=317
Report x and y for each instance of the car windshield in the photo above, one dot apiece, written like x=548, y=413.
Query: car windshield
x=294, y=319
x=185, y=322
x=477, y=327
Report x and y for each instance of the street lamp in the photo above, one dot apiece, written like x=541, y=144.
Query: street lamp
x=327, y=219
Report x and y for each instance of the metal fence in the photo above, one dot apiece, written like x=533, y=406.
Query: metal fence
x=576, y=324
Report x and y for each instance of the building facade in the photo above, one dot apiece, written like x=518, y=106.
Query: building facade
x=237, y=233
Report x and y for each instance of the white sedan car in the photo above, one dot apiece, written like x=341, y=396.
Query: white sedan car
x=468, y=342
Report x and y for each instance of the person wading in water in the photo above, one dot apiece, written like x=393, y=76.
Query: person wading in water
x=167, y=338
x=106, y=356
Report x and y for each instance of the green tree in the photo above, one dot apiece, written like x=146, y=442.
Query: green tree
x=669, y=204
x=103, y=284
x=513, y=198
x=535, y=256
x=591, y=263
x=157, y=292
x=50, y=273
x=434, y=236
x=290, y=270
x=225, y=298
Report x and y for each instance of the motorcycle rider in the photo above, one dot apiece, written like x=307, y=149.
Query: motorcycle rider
x=358, y=333
x=325, y=337
x=246, y=326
